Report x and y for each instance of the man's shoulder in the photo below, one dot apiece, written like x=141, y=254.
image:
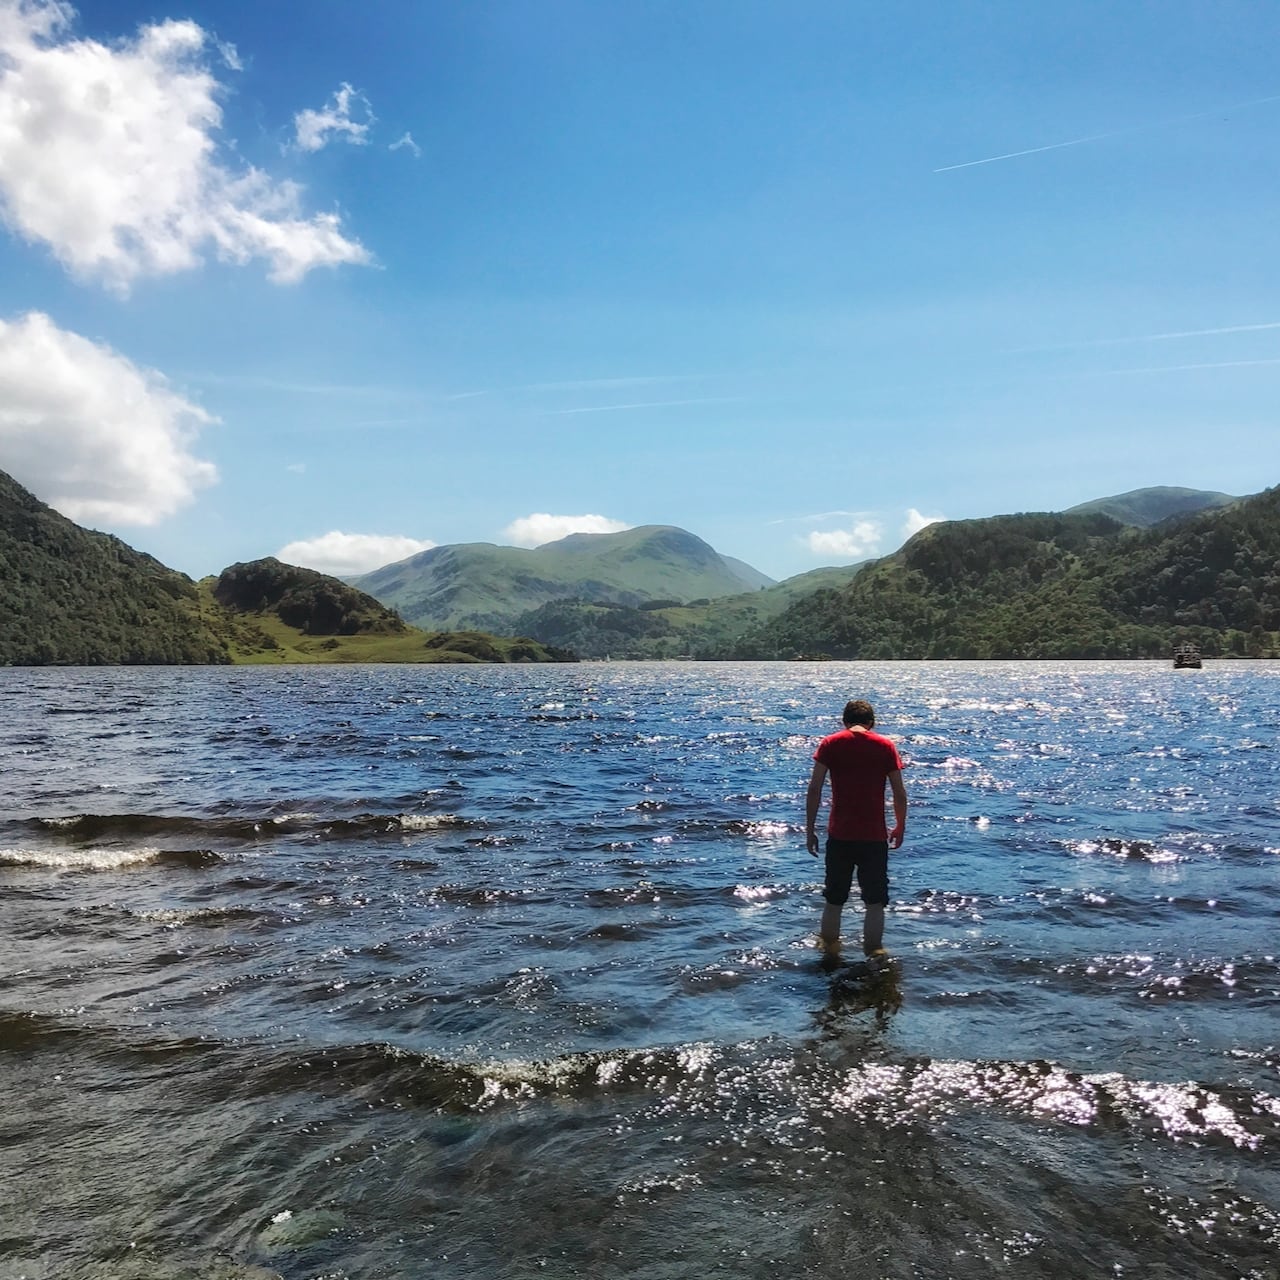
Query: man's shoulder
x=834, y=742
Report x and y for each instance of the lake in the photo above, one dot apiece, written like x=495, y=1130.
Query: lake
x=510, y=971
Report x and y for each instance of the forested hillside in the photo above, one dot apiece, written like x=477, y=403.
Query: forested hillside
x=1051, y=586
x=667, y=628
x=315, y=603
x=71, y=596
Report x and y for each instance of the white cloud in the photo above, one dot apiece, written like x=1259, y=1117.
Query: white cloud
x=229, y=53
x=90, y=433
x=347, y=554
x=315, y=129
x=534, y=530
x=915, y=522
x=856, y=543
x=108, y=156
x=406, y=140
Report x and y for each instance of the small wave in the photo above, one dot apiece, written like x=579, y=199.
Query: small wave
x=895, y=1095
x=759, y=829
x=78, y=859
x=1135, y=850
x=759, y=892
x=93, y=826
x=211, y=917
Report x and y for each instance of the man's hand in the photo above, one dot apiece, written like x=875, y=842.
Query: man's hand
x=896, y=836
x=811, y=842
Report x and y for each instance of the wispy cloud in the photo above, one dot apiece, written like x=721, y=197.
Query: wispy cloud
x=1178, y=368
x=644, y=404
x=405, y=141
x=1110, y=133
x=313, y=130
x=1137, y=339
x=817, y=515
x=254, y=382
x=595, y=384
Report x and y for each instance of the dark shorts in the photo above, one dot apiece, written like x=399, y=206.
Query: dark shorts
x=869, y=858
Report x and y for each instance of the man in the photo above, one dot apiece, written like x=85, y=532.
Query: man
x=859, y=762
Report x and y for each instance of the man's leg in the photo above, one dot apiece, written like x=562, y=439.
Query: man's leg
x=873, y=929
x=835, y=890
x=829, y=930
x=873, y=881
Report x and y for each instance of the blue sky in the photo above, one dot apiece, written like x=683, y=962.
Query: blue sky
x=344, y=280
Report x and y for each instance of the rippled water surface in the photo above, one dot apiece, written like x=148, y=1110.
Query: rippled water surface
x=503, y=972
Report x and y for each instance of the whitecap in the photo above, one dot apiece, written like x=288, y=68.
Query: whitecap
x=78, y=859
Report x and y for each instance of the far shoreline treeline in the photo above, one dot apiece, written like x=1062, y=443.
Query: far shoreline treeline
x=1127, y=577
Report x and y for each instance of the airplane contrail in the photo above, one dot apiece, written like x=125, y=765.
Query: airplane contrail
x=1149, y=337
x=1112, y=133
x=1178, y=368
x=645, y=404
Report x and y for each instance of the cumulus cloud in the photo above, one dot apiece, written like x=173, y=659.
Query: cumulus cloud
x=855, y=543
x=347, y=554
x=108, y=155
x=406, y=140
x=915, y=522
x=534, y=530
x=90, y=433
x=315, y=129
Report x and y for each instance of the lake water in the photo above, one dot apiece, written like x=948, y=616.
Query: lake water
x=505, y=972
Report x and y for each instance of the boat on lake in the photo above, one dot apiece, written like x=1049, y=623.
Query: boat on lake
x=1186, y=654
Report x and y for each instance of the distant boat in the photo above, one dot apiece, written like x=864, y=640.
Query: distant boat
x=1186, y=654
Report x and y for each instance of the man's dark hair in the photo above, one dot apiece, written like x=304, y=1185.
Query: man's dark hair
x=859, y=712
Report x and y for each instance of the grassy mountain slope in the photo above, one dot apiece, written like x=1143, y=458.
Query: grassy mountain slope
x=1051, y=585
x=1145, y=507
x=271, y=612
x=486, y=586
x=71, y=596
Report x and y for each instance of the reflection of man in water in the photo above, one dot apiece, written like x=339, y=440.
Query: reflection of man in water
x=859, y=762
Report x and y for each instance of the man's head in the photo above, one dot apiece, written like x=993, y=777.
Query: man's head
x=859, y=712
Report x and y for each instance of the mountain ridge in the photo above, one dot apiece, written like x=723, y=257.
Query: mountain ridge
x=489, y=586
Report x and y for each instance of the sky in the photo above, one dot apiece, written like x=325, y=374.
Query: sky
x=338, y=282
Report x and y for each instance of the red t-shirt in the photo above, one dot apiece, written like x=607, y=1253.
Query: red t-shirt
x=860, y=764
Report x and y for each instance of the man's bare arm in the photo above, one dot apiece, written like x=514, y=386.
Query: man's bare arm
x=899, y=809
x=812, y=803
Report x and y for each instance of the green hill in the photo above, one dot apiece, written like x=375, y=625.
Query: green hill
x=69, y=596
x=270, y=612
x=489, y=587
x=1051, y=586
x=1145, y=507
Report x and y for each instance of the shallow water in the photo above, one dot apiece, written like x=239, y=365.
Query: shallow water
x=496, y=972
